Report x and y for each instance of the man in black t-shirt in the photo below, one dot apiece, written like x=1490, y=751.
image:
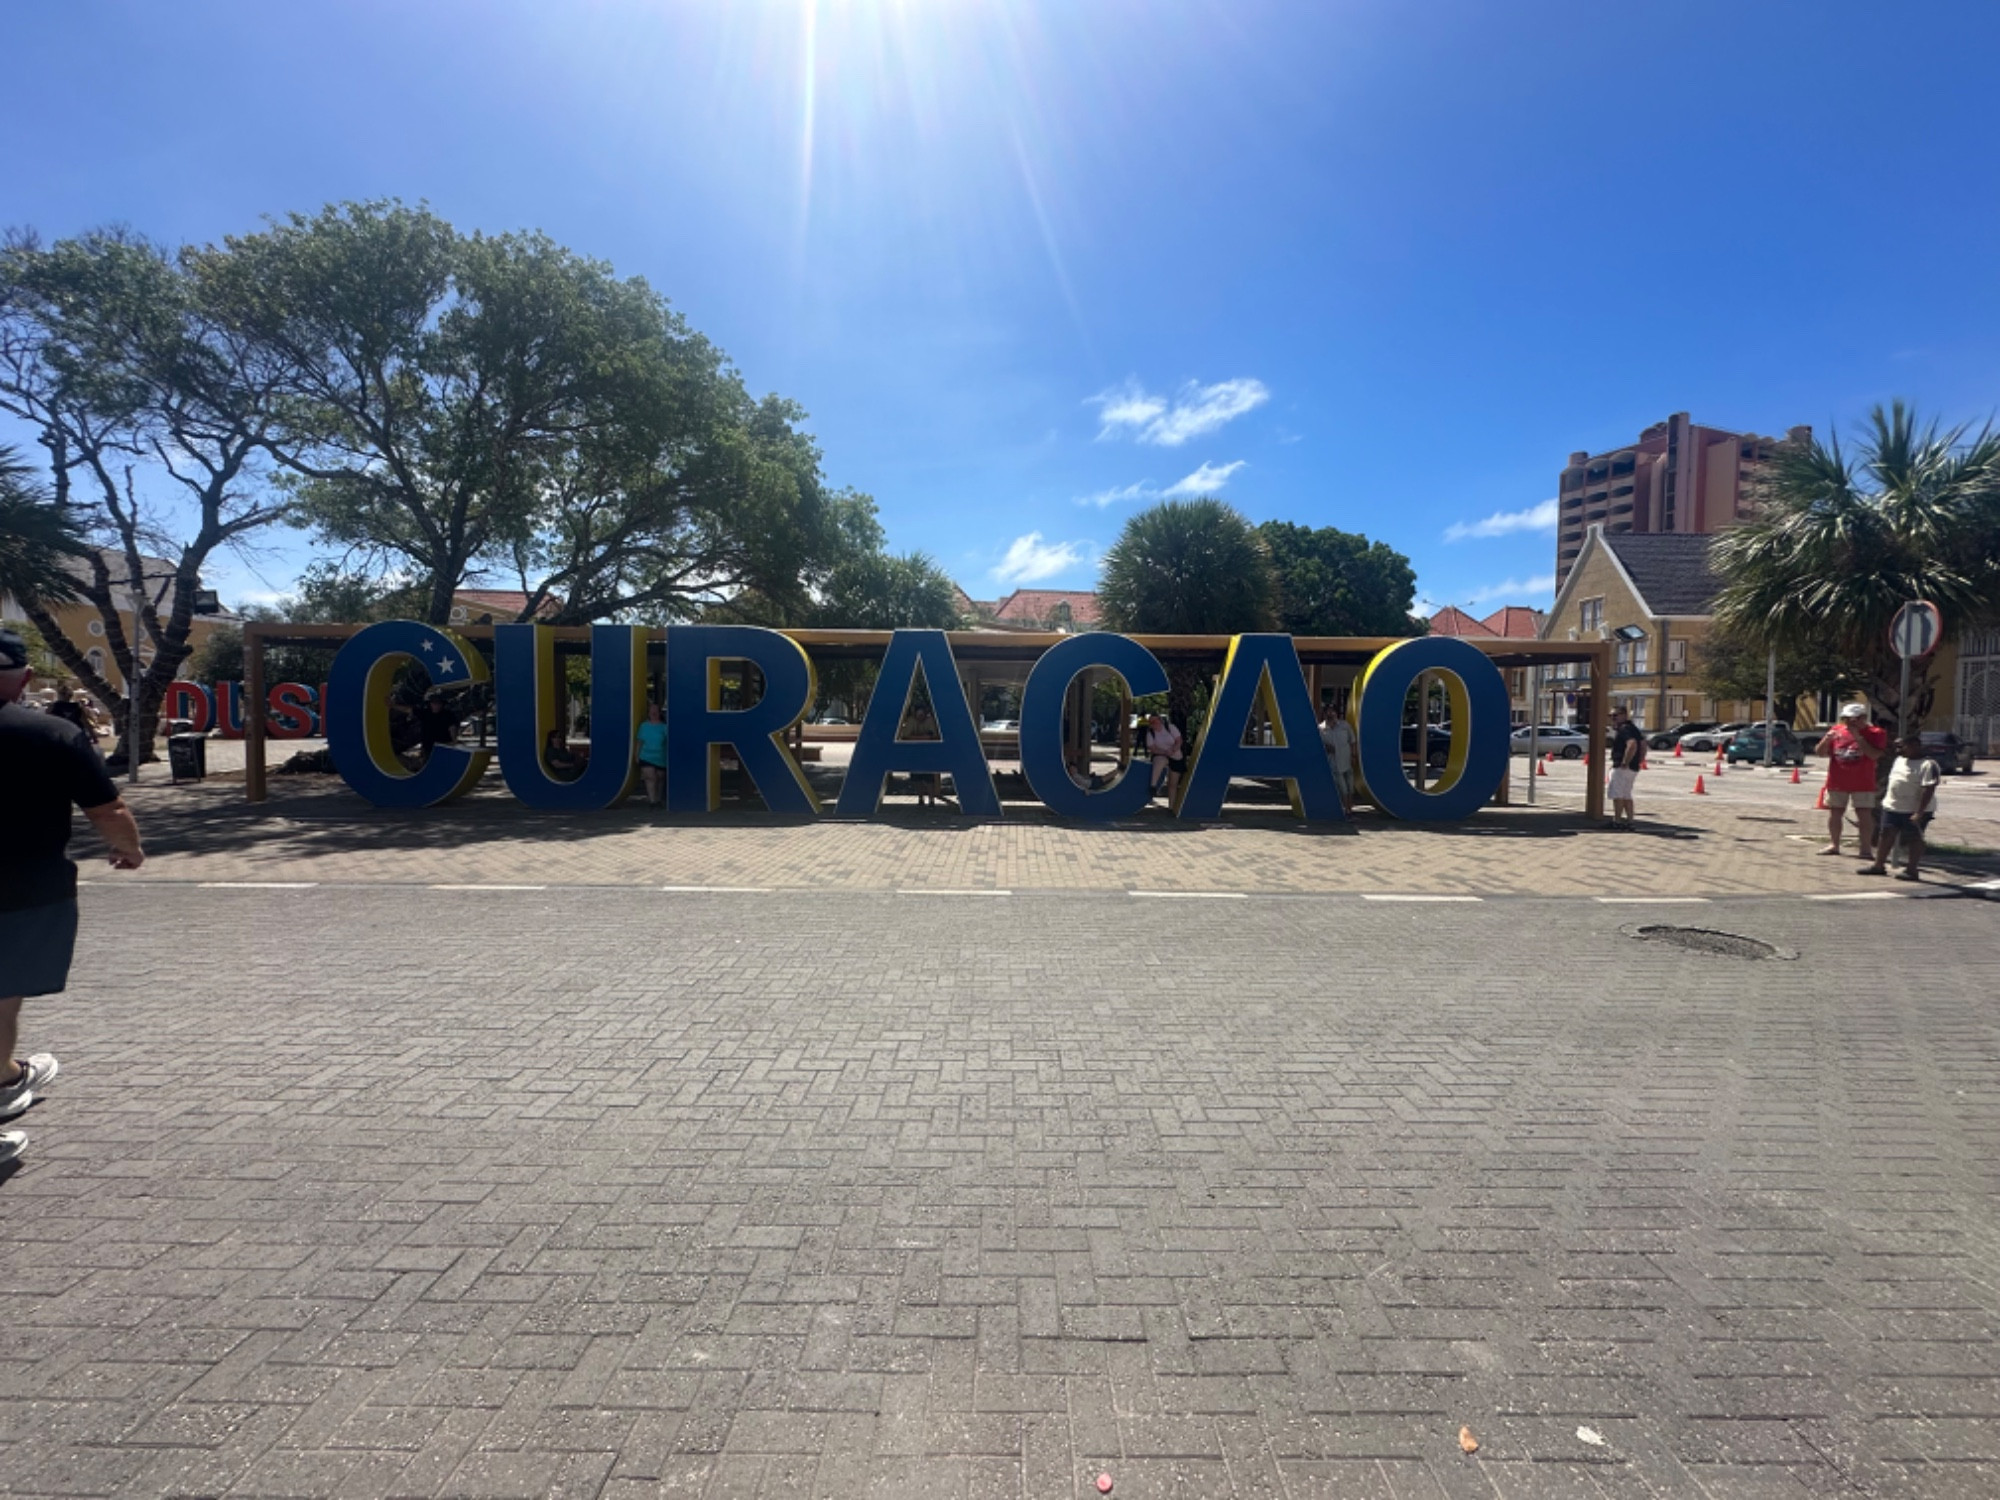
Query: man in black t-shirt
x=1628, y=759
x=46, y=766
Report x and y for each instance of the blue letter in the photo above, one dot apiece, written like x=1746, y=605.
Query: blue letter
x=528, y=701
x=1479, y=728
x=877, y=751
x=1261, y=669
x=357, y=713
x=1042, y=725
x=698, y=727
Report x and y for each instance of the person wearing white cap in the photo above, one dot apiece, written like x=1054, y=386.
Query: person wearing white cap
x=1851, y=748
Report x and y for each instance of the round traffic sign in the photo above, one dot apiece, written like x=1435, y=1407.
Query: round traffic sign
x=1916, y=630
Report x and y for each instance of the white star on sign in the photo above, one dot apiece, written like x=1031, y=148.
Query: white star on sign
x=446, y=667
x=429, y=646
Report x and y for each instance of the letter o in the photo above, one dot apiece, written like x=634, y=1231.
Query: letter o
x=1480, y=725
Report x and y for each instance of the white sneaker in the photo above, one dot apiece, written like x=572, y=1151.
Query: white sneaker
x=38, y=1072
x=12, y=1144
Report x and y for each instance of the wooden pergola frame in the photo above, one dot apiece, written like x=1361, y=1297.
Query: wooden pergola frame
x=995, y=648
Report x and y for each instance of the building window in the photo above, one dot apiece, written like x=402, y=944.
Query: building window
x=1677, y=656
x=1677, y=707
x=1624, y=667
x=95, y=656
x=1642, y=652
x=1590, y=613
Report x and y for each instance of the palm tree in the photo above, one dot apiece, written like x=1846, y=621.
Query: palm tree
x=1188, y=567
x=1838, y=545
x=39, y=540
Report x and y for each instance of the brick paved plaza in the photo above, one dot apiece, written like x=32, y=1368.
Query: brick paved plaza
x=362, y=1188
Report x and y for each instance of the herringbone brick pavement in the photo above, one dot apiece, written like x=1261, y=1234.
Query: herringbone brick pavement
x=613, y=1193
x=315, y=830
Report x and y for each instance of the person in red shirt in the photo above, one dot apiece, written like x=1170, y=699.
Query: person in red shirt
x=1851, y=747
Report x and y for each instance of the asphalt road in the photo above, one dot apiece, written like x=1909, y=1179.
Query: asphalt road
x=387, y=1192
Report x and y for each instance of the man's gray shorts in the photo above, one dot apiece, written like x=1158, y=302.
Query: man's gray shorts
x=35, y=948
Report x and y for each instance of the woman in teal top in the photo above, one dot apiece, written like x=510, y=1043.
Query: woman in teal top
x=653, y=753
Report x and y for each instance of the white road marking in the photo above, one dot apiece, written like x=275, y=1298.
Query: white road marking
x=1190, y=895
x=258, y=885
x=1652, y=900
x=1861, y=896
x=489, y=887
x=942, y=892
x=721, y=890
x=1376, y=896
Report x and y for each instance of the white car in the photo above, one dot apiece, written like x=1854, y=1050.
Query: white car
x=1001, y=726
x=1708, y=741
x=1552, y=739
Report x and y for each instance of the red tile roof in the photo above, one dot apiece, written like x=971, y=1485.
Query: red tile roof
x=505, y=605
x=1033, y=606
x=1516, y=622
x=1451, y=620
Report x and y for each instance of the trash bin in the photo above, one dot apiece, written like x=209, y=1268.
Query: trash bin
x=187, y=756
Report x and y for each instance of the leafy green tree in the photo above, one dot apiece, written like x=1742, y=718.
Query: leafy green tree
x=1729, y=664
x=1837, y=545
x=464, y=404
x=153, y=410
x=881, y=591
x=42, y=545
x=1333, y=582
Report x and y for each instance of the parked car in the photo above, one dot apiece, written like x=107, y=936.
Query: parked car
x=1666, y=738
x=1950, y=753
x=1712, y=739
x=1809, y=738
x=1748, y=745
x=1001, y=726
x=1438, y=741
x=1551, y=739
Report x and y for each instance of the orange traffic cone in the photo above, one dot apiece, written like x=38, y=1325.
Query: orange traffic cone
x=1699, y=789
x=1541, y=768
x=1718, y=765
x=1820, y=806
x=1677, y=749
x=1795, y=775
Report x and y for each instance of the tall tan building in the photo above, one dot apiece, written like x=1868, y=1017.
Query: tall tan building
x=1678, y=477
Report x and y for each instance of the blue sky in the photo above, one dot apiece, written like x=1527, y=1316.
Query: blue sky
x=1357, y=263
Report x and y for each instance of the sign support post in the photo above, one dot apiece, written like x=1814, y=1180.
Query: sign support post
x=1914, y=633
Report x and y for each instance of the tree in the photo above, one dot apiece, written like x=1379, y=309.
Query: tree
x=471, y=403
x=1333, y=582
x=1729, y=664
x=1188, y=567
x=153, y=409
x=1837, y=546
x=880, y=591
x=42, y=545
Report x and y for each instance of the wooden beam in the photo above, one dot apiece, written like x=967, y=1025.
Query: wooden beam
x=254, y=786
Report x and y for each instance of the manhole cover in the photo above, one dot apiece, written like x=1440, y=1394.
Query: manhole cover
x=1708, y=940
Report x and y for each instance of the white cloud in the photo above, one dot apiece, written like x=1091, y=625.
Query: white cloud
x=1531, y=591
x=1505, y=523
x=1206, y=480
x=1143, y=490
x=1029, y=559
x=1131, y=411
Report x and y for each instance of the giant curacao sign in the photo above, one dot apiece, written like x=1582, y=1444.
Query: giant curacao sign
x=1261, y=671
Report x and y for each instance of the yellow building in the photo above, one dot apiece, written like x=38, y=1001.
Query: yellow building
x=1651, y=595
x=81, y=623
